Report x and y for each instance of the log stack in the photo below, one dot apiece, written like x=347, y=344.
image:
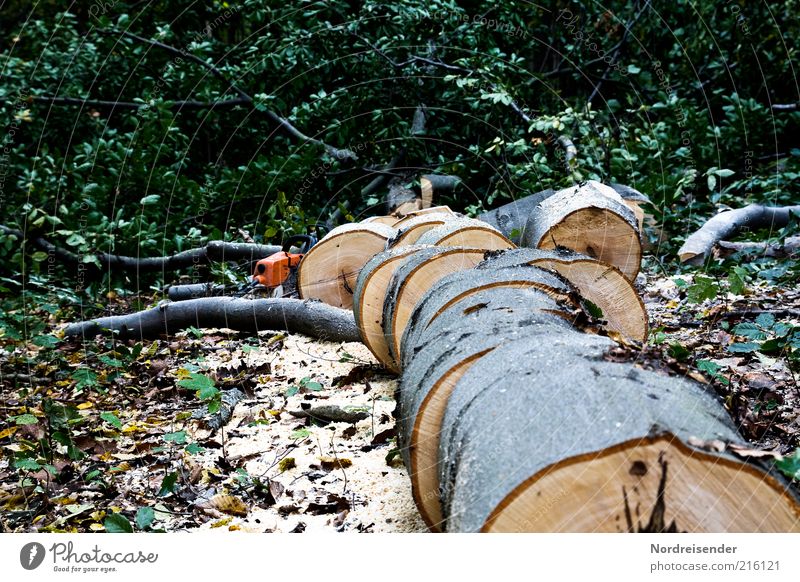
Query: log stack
x=512, y=414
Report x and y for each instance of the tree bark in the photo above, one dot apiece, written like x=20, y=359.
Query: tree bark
x=517, y=454
x=790, y=247
x=248, y=315
x=213, y=251
x=724, y=225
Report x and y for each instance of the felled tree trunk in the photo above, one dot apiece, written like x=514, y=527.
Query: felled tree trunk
x=511, y=419
x=590, y=219
x=329, y=270
x=564, y=441
x=728, y=223
x=249, y=315
x=466, y=232
x=512, y=218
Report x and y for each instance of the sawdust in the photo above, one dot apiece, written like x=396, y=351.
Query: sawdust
x=368, y=494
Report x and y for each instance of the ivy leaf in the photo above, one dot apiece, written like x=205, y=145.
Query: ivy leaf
x=712, y=369
x=193, y=449
x=25, y=419
x=112, y=420
x=702, y=289
x=27, y=464
x=300, y=433
x=168, y=484
x=736, y=280
x=743, y=348
x=200, y=383
x=109, y=361
x=144, y=517
x=179, y=438
x=117, y=523
x=790, y=466
x=84, y=377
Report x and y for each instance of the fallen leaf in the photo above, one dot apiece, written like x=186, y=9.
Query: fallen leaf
x=229, y=504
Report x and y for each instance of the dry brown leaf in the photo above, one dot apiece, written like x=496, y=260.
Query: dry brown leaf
x=229, y=504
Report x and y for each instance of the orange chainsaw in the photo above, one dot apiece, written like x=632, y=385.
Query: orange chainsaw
x=278, y=272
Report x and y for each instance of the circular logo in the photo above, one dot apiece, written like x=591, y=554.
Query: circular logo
x=31, y=555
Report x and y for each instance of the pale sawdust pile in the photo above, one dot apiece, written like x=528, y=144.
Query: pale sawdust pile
x=339, y=480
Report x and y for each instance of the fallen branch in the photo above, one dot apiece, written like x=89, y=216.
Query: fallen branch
x=726, y=224
x=790, y=246
x=310, y=318
x=213, y=251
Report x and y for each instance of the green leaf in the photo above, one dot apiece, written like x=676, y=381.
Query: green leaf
x=736, y=280
x=150, y=199
x=202, y=384
x=634, y=70
x=790, y=466
x=193, y=449
x=593, y=309
x=711, y=181
x=677, y=351
x=109, y=361
x=85, y=378
x=46, y=341
x=724, y=173
x=214, y=406
x=145, y=517
x=27, y=464
x=743, y=348
x=765, y=320
x=39, y=256
x=292, y=390
x=168, y=485
x=749, y=330
x=703, y=288
x=112, y=420
x=25, y=419
x=300, y=433
x=179, y=437
x=117, y=523
x=712, y=369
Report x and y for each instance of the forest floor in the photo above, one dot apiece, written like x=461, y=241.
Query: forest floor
x=129, y=446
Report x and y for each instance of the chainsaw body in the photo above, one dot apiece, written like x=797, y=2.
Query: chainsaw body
x=278, y=269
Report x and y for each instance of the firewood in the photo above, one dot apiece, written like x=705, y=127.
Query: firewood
x=329, y=270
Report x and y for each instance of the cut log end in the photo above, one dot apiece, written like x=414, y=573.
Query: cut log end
x=667, y=487
x=600, y=234
x=328, y=272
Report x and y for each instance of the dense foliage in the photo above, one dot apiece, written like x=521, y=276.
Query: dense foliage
x=674, y=99
x=144, y=128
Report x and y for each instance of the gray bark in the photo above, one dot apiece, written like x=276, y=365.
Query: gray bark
x=726, y=224
x=501, y=429
x=311, y=318
x=455, y=284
